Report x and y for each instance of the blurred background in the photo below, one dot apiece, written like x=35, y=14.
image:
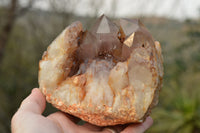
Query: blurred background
x=27, y=27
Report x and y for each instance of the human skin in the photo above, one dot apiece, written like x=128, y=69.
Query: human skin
x=29, y=119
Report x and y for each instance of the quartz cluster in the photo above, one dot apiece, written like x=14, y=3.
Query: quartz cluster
x=108, y=75
x=110, y=41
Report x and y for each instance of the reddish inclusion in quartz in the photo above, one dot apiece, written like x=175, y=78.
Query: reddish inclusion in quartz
x=109, y=41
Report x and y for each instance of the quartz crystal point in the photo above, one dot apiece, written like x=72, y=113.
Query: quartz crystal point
x=108, y=75
x=104, y=26
x=107, y=33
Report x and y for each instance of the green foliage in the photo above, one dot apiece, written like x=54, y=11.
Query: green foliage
x=179, y=107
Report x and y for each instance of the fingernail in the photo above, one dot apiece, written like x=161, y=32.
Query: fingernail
x=150, y=120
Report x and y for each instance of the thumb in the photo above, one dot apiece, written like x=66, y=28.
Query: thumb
x=34, y=103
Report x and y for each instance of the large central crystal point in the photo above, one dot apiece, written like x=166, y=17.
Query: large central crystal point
x=101, y=41
x=108, y=75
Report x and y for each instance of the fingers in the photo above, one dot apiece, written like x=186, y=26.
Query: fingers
x=115, y=129
x=133, y=128
x=139, y=128
x=34, y=103
x=64, y=115
x=91, y=127
x=63, y=119
x=66, y=122
x=109, y=130
x=72, y=118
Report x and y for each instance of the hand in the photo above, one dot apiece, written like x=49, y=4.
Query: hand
x=29, y=119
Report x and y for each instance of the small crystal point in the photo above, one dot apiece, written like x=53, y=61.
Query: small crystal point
x=129, y=40
x=134, y=34
x=104, y=25
x=129, y=26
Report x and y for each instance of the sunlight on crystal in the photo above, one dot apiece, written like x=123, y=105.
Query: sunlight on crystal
x=129, y=40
